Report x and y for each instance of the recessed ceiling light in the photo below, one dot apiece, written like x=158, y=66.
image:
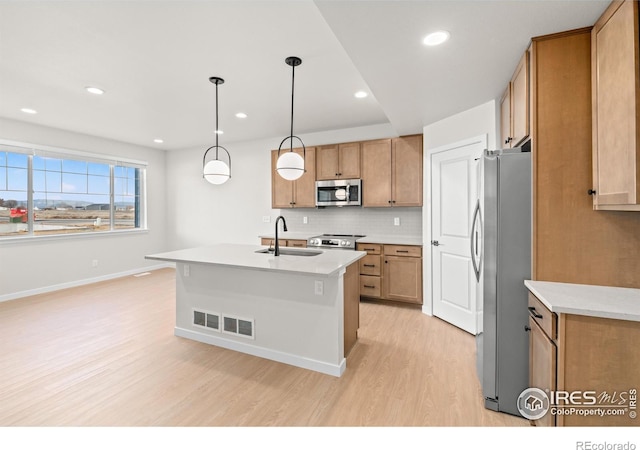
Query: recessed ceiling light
x=219, y=132
x=94, y=90
x=361, y=94
x=158, y=141
x=29, y=111
x=241, y=115
x=436, y=38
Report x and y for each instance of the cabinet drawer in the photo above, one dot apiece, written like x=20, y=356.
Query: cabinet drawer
x=370, y=286
x=370, y=265
x=296, y=243
x=403, y=250
x=372, y=249
x=543, y=317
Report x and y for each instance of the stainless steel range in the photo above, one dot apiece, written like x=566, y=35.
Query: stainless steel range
x=341, y=241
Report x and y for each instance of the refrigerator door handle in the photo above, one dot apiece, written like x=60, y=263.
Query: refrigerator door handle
x=475, y=260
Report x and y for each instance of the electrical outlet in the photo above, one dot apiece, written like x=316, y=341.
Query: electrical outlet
x=396, y=221
x=186, y=270
x=305, y=219
x=319, y=287
x=266, y=219
x=94, y=263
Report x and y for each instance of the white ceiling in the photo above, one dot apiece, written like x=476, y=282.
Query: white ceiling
x=154, y=58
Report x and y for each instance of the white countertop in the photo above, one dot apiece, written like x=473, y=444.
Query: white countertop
x=586, y=300
x=328, y=263
x=374, y=239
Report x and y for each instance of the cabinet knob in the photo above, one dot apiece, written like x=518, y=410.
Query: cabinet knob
x=389, y=201
x=527, y=328
x=591, y=192
x=507, y=140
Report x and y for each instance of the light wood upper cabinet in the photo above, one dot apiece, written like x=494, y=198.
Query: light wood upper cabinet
x=376, y=173
x=392, y=172
x=339, y=161
x=505, y=117
x=514, y=106
x=406, y=178
x=300, y=193
x=616, y=96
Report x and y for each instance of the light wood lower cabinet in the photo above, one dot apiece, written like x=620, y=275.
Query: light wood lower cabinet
x=591, y=359
x=391, y=272
x=300, y=243
x=403, y=279
x=542, y=366
x=351, y=307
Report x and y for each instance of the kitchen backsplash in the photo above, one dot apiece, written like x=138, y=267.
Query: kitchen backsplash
x=356, y=220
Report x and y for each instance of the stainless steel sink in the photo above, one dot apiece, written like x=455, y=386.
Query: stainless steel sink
x=291, y=252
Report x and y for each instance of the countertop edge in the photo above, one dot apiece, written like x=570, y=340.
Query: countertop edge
x=357, y=255
x=591, y=311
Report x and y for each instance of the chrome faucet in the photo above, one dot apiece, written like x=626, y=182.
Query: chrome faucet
x=284, y=228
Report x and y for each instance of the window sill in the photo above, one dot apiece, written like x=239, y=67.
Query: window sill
x=55, y=237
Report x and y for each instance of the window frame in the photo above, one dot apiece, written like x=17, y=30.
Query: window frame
x=32, y=150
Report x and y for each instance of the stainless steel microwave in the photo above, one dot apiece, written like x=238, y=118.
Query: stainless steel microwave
x=339, y=193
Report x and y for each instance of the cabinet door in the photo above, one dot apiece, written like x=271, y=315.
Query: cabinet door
x=349, y=160
x=304, y=190
x=403, y=279
x=520, y=101
x=281, y=189
x=407, y=171
x=505, y=118
x=327, y=162
x=376, y=173
x=615, y=60
x=542, y=366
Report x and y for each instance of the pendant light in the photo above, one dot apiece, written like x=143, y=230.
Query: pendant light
x=290, y=165
x=216, y=171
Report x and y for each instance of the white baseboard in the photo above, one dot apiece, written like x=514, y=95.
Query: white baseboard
x=70, y=284
x=274, y=355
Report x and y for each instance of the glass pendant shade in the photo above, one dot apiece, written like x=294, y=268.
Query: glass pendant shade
x=216, y=172
x=290, y=166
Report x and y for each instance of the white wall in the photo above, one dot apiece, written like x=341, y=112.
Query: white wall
x=38, y=265
x=473, y=122
x=205, y=214
x=478, y=121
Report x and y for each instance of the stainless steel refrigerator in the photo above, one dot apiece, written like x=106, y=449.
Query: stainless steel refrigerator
x=501, y=254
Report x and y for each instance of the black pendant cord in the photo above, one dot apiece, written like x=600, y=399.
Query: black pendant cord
x=216, y=131
x=293, y=80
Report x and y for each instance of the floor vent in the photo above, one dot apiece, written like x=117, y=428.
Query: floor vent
x=206, y=319
x=237, y=326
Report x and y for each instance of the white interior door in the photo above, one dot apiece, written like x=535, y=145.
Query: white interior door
x=454, y=195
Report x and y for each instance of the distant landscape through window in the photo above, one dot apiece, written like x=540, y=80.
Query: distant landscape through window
x=43, y=193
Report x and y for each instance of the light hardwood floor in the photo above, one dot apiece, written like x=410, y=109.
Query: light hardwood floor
x=105, y=355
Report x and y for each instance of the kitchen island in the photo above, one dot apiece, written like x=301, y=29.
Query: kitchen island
x=299, y=308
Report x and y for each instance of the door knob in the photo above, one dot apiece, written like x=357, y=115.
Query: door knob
x=435, y=243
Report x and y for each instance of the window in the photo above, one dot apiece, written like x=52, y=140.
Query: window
x=44, y=192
